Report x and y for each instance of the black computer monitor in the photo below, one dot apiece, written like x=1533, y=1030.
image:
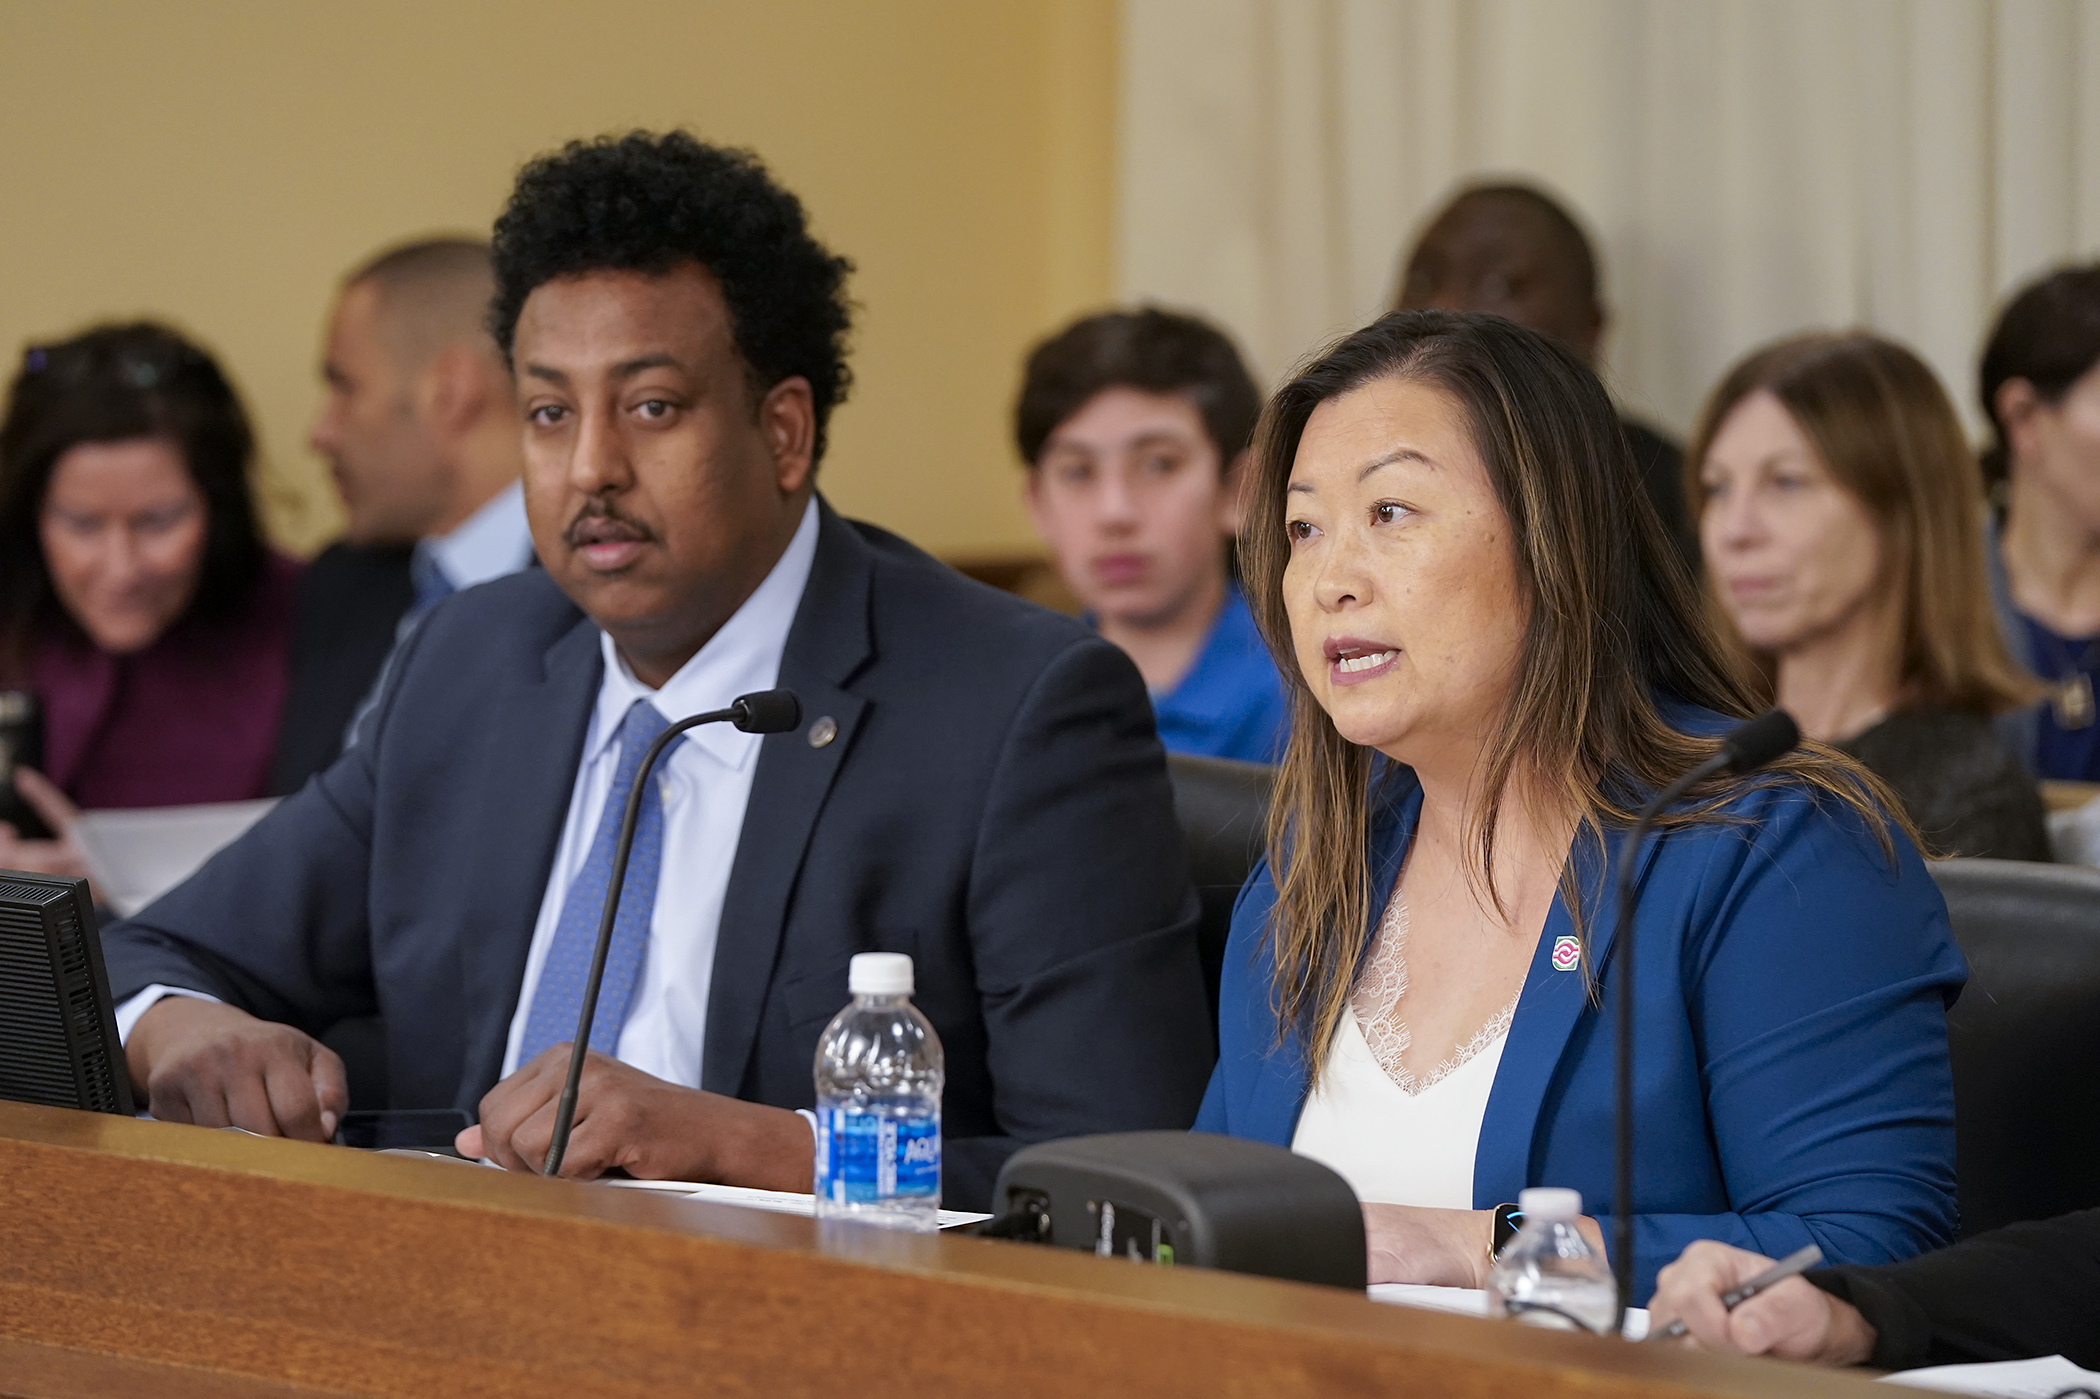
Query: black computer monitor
x=58, y=1028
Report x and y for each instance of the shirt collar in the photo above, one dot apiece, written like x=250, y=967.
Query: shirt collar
x=490, y=543
x=743, y=656
x=1214, y=685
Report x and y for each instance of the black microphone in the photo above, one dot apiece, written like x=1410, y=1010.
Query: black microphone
x=1744, y=748
x=762, y=712
x=1750, y=745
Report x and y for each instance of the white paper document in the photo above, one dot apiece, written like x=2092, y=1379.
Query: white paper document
x=778, y=1201
x=1472, y=1301
x=2009, y=1379
x=136, y=856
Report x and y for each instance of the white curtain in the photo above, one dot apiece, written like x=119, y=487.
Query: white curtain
x=1748, y=168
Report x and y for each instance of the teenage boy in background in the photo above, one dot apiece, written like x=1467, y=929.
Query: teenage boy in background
x=1134, y=426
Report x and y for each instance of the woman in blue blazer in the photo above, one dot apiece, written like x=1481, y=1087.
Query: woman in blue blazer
x=1494, y=660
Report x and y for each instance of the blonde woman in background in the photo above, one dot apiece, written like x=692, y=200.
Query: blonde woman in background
x=1841, y=520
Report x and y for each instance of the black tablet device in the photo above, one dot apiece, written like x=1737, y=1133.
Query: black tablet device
x=404, y=1129
x=58, y=1028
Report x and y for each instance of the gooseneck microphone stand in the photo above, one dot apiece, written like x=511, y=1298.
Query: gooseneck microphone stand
x=1744, y=748
x=762, y=712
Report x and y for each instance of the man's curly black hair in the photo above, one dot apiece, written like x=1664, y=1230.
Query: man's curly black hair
x=649, y=203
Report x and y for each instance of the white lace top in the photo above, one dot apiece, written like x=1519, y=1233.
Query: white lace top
x=1399, y=1138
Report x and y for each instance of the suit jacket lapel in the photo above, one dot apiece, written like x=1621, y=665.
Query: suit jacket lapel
x=1279, y=1093
x=829, y=641
x=1551, y=1005
x=535, y=738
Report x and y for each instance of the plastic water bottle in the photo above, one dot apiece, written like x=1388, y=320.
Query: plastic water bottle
x=1549, y=1275
x=879, y=1076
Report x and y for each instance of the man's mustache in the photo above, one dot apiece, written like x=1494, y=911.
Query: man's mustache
x=601, y=522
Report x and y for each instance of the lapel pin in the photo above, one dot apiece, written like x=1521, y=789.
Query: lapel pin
x=1567, y=953
x=823, y=731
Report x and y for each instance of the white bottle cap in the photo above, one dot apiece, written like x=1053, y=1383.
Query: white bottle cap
x=879, y=974
x=1549, y=1202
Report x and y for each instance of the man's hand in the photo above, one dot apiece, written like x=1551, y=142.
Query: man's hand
x=648, y=1128
x=1794, y=1320
x=207, y=1063
x=60, y=856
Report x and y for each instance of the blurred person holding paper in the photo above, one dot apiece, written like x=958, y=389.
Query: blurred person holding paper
x=139, y=603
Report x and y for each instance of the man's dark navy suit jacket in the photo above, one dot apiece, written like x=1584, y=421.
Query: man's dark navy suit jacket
x=995, y=803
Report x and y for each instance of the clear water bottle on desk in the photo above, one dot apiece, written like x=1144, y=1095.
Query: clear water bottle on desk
x=879, y=1076
x=1549, y=1275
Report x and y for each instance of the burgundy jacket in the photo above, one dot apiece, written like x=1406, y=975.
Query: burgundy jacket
x=192, y=718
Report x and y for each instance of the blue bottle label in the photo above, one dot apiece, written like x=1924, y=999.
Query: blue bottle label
x=863, y=1157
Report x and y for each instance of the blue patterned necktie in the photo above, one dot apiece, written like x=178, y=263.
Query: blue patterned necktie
x=429, y=580
x=558, y=999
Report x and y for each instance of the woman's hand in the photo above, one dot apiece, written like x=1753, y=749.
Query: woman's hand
x=1446, y=1248
x=1442, y=1248
x=59, y=856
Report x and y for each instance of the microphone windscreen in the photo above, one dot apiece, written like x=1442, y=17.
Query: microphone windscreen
x=767, y=712
x=1755, y=742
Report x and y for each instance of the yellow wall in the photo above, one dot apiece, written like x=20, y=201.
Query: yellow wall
x=221, y=164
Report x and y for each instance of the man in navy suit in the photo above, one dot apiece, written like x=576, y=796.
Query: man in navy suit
x=975, y=781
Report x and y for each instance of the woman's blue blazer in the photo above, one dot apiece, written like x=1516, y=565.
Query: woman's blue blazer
x=1791, y=1077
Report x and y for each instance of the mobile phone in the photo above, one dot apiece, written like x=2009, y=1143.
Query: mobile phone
x=21, y=745
x=406, y=1129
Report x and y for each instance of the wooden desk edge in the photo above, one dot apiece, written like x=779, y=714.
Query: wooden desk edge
x=349, y=1270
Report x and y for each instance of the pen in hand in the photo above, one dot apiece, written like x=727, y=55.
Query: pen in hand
x=1799, y=1261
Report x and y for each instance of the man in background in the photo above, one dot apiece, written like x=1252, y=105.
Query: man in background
x=1134, y=426
x=1509, y=250
x=422, y=441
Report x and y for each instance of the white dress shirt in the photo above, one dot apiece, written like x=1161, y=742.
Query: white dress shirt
x=491, y=543
x=706, y=785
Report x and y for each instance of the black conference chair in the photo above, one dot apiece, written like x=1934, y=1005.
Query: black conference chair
x=1223, y=806
x=2025, y=1038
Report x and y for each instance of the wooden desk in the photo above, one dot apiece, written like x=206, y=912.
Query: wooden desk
x=144, y=1258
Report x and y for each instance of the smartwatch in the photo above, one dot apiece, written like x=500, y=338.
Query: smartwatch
x=1508, y=1220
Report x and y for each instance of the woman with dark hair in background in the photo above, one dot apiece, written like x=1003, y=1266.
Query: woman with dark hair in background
x=1494, y=661
x=2040, y=384
x=138, y=601
x=1841, y=520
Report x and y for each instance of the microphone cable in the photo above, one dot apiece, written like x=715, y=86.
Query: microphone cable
x=761, y=712
x=1744, y=748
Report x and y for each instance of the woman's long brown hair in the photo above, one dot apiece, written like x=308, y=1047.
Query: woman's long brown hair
x=1887, y=434
x=1615, y=629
